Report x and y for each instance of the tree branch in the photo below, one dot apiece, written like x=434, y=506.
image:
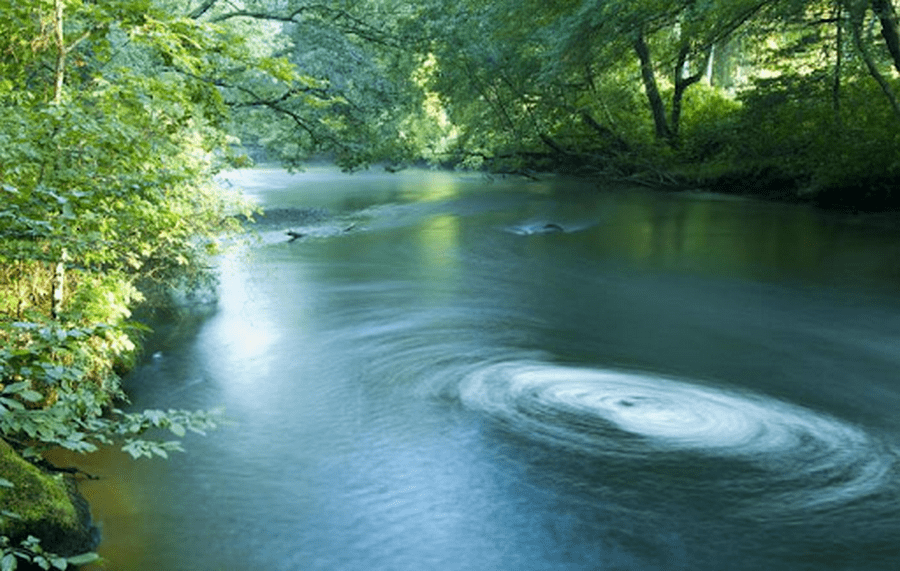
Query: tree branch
x=648, y=76
x=354, y=24
x=855, y=27
x=202, y=9
x=890, y=28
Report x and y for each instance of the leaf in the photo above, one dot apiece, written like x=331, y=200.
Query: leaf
x=10, y=514
x=8, y=563
x=137, y=449
x=154, y=416
x=177, y=429
x=83, y=559
x=4, y=483
x=60, y=563
x=11, y=404
x=15, y=387
x=31, y=396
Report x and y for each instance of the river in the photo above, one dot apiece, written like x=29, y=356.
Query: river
x=452, y=372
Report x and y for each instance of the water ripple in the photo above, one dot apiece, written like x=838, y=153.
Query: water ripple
x=791, y=455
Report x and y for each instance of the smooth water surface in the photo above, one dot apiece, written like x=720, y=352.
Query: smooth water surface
x=437, y=377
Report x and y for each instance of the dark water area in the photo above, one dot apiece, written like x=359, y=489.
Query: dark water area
x=449, y=372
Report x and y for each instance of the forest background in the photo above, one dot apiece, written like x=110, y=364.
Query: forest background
x=116, y=116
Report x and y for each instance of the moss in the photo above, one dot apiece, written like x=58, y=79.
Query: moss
x=48, y=507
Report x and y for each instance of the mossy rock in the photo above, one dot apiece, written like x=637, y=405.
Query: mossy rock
x=47, y=505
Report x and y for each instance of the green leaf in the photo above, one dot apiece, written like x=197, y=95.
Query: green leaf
x=8, y=563
x=60, y=563
x=4, y=483
x=83, y=559
x=32, y=543
x=177, y=429
x=31, y=396
x=11, y=404
x=154, y=416
x=15, y=387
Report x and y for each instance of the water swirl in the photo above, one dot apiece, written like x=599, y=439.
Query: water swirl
x=792, y=455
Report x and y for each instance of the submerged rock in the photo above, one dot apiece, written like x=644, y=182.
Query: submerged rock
x=47, y=506
x=537, y=228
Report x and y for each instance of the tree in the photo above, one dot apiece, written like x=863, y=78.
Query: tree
x=350, y=93
x=887, y=16
x=109, y=141
x=890, y=28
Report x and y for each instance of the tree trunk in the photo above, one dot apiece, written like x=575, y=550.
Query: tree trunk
x=61, y=52
x=681, y=85
x=657, y=107
x=59, y=269
x=838, y=62
x=59, y=286
x=890, y=28
x=856, y=28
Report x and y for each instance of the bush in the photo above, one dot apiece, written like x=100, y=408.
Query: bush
x=851, y=158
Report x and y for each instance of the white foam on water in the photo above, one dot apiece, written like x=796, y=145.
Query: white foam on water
x=811, y=459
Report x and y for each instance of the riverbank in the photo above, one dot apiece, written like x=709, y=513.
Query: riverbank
x=67, y=337
x=875, y=193
x=825, y=181
x=44, y=505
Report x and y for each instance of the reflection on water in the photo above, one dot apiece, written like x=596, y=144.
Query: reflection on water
x=114, y=498
x=666, y=382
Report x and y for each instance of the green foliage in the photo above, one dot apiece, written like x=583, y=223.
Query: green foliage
x=117, y=175
x=710, y=125
x=58, y=385
x=37, y=504
x=342, y=91
x=111, y=131
x=798, y=98
x=30, y=550
x=508, y=84
x=791, y=123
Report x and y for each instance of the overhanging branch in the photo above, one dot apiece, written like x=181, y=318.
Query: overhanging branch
x=349, y=23
x=202, y=9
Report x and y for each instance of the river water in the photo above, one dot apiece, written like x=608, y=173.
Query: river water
x=434, y=378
